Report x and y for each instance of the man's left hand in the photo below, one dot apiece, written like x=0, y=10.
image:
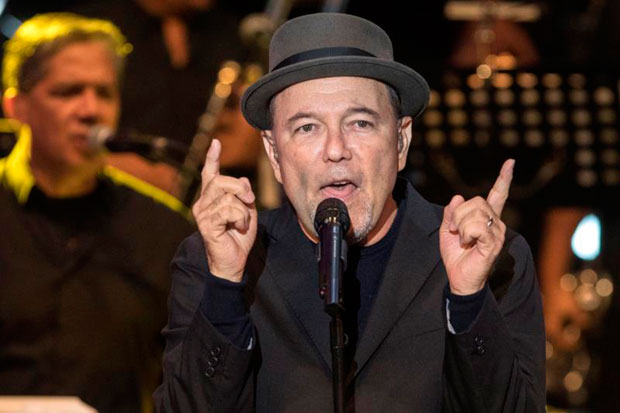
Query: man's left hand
x=472, y=235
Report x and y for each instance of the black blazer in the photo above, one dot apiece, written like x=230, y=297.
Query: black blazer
x=406, y=359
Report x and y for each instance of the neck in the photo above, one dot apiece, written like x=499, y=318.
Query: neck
x=64, y=184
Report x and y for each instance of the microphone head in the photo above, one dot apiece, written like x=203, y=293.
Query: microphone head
x=98, y=135
x=332, y=210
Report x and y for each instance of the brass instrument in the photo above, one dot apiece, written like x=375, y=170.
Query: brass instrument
x=255, y=30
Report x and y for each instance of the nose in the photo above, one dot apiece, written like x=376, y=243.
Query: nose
x=336, y=147
x=89, y=109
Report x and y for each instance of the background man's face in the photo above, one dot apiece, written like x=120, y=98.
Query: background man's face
x=79, y=90
x=337, y=137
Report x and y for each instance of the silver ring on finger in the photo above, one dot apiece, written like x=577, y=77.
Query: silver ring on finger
x=490, y=221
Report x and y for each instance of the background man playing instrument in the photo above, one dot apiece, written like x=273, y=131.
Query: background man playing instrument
x=85, y=248
x=442, y=309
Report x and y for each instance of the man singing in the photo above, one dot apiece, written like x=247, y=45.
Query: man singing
x=442, y=308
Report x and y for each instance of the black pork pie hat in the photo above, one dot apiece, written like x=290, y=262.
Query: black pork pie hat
x=331, y=44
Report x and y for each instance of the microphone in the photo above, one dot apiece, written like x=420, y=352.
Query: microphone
x=156, y=148
x=332, y=222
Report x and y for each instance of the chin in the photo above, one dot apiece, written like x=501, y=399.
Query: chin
x=361, y=225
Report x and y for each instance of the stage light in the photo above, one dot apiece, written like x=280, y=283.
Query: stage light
x=457, y=118
x=578, y=97
x=577, y=80
x=454, y=97
x=611, y=177
x=474, y=81
x=551, y=80
x=502, y=80
x=610, y=156
x=504, y=97
x=581, y=117
x=435, y=138
x=534, y=138
x=584, y=157
x=459, y=137
x=530, y=97
x=586, y=240
x=509, y=137
x=554, y=97
x=556, y=117
x=482, y=118
x=559, y=137
x=479, y=97
x=434, y=99
x=606, y=116
x=584, y=137
x=527, y=80
x=507, y=117
x=433, y=118
x=603, y=96
x=609, y=136
x=586, y=178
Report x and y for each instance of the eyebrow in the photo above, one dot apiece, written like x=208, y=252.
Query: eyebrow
x=300, y=115
x=362, y=109
x=348, y=112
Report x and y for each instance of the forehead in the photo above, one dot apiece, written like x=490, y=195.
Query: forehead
x=90, y=61
x=331, y=94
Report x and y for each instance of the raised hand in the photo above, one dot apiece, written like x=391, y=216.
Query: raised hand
x=226, y=217
x=472, y=235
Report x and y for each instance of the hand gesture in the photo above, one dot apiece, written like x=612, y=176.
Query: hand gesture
x=472, y=235
x=226, y=217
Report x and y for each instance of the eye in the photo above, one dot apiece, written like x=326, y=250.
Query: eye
x=362, y=124
x=307, y=128
x=66, y=91
x=105, y=92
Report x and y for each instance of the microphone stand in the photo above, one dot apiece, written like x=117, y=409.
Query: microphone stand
x=332, y=262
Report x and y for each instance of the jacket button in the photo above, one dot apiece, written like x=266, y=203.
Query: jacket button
x=478, y=340
x=209, y=372
x=481, y=350
x=212, y=362
x=216, y=351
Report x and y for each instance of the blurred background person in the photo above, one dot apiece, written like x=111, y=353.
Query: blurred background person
x=85, y=248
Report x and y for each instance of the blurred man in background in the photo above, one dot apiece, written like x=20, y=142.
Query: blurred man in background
x=85, y=248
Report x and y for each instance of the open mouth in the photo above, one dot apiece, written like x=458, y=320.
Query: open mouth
x=339, y=189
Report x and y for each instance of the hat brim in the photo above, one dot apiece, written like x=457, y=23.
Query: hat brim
x=410, y=86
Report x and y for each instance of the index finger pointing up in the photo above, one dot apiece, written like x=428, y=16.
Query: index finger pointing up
x=212, y=163
x=499, y=193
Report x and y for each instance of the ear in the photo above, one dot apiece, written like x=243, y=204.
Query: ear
x=405, y=133
x=14, y=105
x=272, y=153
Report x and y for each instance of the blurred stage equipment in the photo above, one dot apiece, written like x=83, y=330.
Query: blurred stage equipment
x=154, y=148
x=233, y=77
x=559, y=126
x=572, y=374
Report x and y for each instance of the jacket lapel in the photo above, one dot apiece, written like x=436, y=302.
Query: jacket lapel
x=415, y=254
x=291, y=262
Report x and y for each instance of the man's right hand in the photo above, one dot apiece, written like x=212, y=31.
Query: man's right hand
x=226, y=217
